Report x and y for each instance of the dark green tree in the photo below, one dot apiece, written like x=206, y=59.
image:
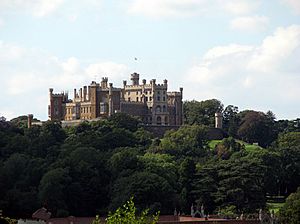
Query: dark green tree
x=201, y=113
x=290, y=212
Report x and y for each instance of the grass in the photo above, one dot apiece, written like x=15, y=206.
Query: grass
x=274, y=206
x=249, y=147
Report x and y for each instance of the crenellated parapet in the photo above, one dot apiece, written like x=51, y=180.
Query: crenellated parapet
x=151, y=101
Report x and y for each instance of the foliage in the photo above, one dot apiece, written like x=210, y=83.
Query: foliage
x=201, y=113
x=96, y=166
x=256, y=127
x=188, y=141
x=127, y=215
x=290, y=212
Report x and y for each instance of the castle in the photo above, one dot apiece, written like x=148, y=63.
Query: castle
x=150, y=101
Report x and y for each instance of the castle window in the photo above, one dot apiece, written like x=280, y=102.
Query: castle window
x=164, y=98
x=146, y=99
x=158, y=109
x=164, y=92
x=150, y=99
x=128, y=99
x=137, y=99
x=158, y=92
x=164, y=108
x=158, y=98
x=166, y=120
x=137, y=92
x=158, y=120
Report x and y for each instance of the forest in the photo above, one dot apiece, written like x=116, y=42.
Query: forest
x=95, y=167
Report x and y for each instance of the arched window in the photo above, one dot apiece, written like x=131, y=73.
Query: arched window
x=158, y=120
x=158, y=109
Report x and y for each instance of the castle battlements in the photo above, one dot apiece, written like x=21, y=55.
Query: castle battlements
x=98, y=100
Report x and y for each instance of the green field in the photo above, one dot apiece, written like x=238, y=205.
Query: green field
x=249, y=147
x=274, y=206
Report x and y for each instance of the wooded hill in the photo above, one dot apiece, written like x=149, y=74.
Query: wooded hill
x=96, y=167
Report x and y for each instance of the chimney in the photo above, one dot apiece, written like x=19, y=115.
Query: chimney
x=144, y=81
x=75, y=93
x=84, y=93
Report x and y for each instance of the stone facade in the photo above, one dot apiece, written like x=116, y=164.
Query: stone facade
x=150, y=101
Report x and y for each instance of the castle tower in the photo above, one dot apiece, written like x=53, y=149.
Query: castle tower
x=135, y=77
x=218, y=120
x=110, y=100
x=29, y=121
x=93, y=99
x=104, y=82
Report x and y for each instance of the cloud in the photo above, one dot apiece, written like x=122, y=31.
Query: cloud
x=43, y=8
x=108, y=68
x=265, y=76
x=168, y=8
x=188, y=8
x=240, y=7
x=27, y=74
x=250, y=23
x=39, y=8
x=293, y=4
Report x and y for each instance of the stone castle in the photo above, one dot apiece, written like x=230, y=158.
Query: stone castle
x=150, y=101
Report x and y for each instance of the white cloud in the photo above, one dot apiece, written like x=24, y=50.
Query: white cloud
x=265, y=75
x=293, y=4
x=42, y=8
x=276, y=50
x=187, y=8
x=240, y=7
x=27, y=74
x=168, y=8
x=108, y=68
x=37, y=8
x=250, y=23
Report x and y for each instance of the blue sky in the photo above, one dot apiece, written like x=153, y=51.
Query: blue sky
x=242, y=52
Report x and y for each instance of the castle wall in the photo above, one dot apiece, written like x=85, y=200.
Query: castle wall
x=150, y=101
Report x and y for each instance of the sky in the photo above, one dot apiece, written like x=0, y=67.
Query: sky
x=243, y=52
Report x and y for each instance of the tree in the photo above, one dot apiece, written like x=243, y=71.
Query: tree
x=256, y=127
x=201, y=113
x=288, y=140
x=53, y=190
x=290, y=212
x=227, y=147
x=186, y=141
x=123, y=120
x=127, y=215
x=150, y=190
x=187, y=170
x=231, y=120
